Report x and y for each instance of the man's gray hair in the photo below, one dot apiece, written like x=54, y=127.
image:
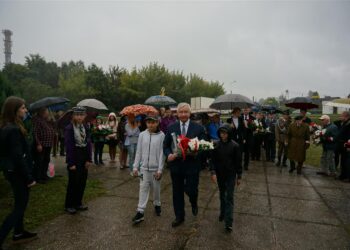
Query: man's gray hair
x=182, y=105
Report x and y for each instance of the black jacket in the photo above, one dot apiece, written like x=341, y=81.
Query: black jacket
x=238, y=133
x=226, y=158
x=14, y=152
x=343, y=135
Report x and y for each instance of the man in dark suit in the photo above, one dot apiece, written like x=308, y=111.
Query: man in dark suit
x=238, y=128
x=249, y=129
x=184, y=173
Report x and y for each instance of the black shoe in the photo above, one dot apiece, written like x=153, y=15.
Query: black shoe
x=321, y=173
x=177, y=222
x=102, y=163
x=278, y=164
x=70, y=210
x=291, y=170
x=24, y=236
x=228, y=229
x=139, y=217
x=195, y=210
x=82, y=208
x=284, y=165
x=158, y=210
x=299, y=171
x=245, y=167
x=221, y=218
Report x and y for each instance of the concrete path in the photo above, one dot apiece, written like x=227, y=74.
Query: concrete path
x=273, y=210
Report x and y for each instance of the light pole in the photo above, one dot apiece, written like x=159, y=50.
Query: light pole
x=233, y=84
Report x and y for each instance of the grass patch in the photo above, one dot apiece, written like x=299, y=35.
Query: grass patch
x=46, y=201
x=313, y=155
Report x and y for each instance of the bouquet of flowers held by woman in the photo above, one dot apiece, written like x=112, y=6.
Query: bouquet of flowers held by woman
x=102, y=130
x=186, y=146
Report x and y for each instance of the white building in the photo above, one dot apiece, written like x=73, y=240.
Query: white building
x=336, y=106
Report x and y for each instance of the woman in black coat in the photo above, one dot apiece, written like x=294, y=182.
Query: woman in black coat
x=16, y=166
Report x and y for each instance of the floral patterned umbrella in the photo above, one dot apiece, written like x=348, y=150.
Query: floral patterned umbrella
x=139, y=109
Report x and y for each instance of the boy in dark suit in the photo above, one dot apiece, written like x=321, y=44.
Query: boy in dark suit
x=184, y=173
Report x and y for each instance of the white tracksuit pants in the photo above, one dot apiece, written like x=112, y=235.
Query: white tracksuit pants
x=146, y=183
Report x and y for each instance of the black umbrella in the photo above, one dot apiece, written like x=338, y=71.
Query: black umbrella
x=47, y=102
x=230, y=101
x=160, y=100
x=301, y=103
x=271, y=109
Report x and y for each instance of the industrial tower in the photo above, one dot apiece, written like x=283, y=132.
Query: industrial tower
x=8, y=45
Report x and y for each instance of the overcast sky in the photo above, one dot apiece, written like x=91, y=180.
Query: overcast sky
x=265, y=47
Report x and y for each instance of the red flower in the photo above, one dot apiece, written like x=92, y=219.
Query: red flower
x=183, y=145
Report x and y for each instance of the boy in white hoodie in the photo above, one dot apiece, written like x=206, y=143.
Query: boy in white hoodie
x=149, y=157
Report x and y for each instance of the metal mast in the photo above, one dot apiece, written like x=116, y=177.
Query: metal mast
x=8, y=45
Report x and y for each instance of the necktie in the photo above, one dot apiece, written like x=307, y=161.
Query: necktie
x=183, y=129
x=82, y=134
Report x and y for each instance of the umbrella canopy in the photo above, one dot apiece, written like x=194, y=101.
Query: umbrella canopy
x=271, y=109
x=206, y=111
x=301, y=103
x=139, y=109
x=160, y=100
x=230, y=101
x=47, y=102
x=92, y=103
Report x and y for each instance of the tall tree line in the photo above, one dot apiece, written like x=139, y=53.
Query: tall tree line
x=116, y=87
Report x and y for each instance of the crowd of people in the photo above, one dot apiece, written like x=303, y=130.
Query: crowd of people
x=146, y=144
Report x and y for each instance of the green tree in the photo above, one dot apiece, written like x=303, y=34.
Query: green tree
x=6, y=89
x=42, y=71
x=271, y=101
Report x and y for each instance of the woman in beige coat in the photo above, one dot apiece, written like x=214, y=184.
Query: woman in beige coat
x=298, y=141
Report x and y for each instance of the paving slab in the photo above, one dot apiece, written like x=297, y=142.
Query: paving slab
x=273, y=210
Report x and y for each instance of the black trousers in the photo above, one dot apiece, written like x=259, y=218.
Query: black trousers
x=15, y=218
x=77, y=180
x=246, y=151
x=98, y=152
x=345, y=165
x=226, y=187
x=42, y=160
x=184, y=183
x=257, y=142
x=270, y=149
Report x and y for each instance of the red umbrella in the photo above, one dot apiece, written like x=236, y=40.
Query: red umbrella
x=301, y=103
x=139, y=109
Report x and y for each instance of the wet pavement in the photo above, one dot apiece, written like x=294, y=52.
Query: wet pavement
x=273, y=210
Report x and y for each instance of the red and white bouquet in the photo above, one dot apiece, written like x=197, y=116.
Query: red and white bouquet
x=347, y=144
x=187, y=146
x=314, y=127
x=321, y=136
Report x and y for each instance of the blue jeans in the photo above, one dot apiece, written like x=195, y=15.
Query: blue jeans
x=131, y=153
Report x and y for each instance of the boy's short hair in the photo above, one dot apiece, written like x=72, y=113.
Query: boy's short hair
x=235, y=109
